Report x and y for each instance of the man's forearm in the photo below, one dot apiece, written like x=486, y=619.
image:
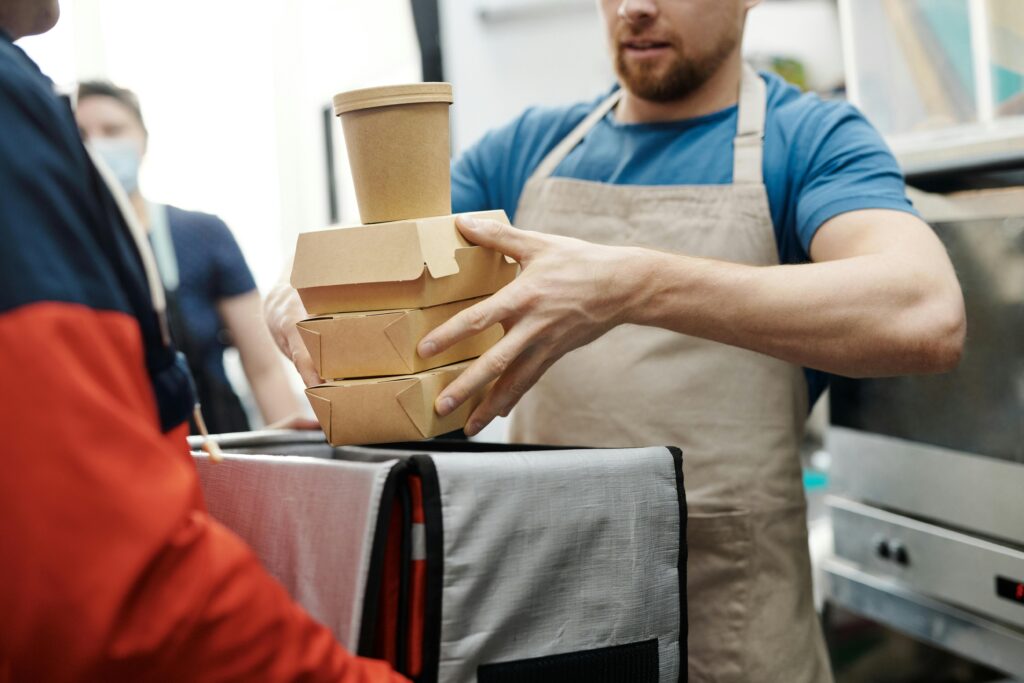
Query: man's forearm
x=876, y=314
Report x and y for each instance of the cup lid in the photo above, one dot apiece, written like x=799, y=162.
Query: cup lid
x=412, y=93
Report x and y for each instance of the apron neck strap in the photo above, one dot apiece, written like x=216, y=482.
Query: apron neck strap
x=131, y=219
x=163, y=244
x=555, y=157
x=748, y=146
x=139, y=236
x=748, y=143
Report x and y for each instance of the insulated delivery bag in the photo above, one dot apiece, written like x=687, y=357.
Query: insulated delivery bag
x=458, y=561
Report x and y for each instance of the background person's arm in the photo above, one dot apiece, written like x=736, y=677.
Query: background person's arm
x=243, y=317
x=233, y=279
x=881, y=299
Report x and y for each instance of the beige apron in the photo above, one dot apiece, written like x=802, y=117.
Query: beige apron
x=737, y=415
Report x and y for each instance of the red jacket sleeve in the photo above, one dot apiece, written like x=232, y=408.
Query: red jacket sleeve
x=110, y=569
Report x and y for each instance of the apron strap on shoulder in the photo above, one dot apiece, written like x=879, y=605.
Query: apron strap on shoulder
x=562, y=149
x=748, y=145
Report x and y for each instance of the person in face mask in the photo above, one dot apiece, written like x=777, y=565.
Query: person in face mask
x=212, y=297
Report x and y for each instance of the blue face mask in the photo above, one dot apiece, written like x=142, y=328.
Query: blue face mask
x=123, y=157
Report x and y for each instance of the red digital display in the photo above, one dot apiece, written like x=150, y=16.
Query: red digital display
x=1010, y=589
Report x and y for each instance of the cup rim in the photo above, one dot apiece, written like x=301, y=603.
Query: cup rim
x=390, y=95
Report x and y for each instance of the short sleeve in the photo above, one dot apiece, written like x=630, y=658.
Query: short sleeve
x=493, y=172
x=233, y=276
x=846, y=167
x=480, y=175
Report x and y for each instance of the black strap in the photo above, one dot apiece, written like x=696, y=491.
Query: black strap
x=633, y=662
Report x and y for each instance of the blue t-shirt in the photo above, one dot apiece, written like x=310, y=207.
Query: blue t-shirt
x=821, y=159
x=211, y=267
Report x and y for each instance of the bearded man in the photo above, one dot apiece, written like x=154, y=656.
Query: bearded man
x=709, y=244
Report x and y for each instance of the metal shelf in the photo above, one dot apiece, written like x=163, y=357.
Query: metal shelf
x=961, y=148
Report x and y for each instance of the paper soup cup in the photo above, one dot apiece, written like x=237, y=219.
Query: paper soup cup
x=398, y=149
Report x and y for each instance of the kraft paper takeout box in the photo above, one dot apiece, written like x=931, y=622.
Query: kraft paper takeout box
x=375, y=343
x=406, y=264
x=388, y=409
x=398, y=149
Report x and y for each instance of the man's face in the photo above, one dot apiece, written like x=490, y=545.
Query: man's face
x=664, y=50
x=22, y=18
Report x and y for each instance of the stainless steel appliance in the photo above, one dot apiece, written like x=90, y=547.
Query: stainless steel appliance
x=927, y=500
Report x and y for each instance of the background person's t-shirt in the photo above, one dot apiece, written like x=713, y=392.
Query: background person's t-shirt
x=211, y=268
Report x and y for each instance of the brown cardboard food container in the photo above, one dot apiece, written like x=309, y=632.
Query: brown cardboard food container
x=375, y=343
x=387, y=409
x=405, y=264
x=398, y=149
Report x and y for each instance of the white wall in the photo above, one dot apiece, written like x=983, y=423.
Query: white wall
x=807, y=30
x=547, y=52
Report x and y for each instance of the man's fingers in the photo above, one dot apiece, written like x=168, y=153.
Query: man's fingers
x=481, y=372
x=295, y=422
x=307, y=371
x=502, y=237
x=282, y=309
x=508, y=390
x=464, y=324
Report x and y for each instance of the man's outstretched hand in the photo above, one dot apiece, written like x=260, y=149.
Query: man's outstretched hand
x=569, y=293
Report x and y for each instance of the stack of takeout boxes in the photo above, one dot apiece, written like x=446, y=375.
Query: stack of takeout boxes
x=376, y=289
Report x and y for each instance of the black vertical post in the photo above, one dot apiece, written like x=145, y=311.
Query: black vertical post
x=426, y=17
x=333, y=210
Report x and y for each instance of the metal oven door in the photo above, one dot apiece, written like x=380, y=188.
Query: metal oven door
x=951, y=447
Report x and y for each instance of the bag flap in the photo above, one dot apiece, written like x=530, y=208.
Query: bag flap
x=440, y=239
x=399, y=332
x=418, y=400
x=311, y=338
x=417, y=406
x=322, y=410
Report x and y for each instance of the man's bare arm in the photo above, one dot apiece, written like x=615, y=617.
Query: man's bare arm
x=881, y=298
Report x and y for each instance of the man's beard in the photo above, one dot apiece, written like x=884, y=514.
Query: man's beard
x=680, y=78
